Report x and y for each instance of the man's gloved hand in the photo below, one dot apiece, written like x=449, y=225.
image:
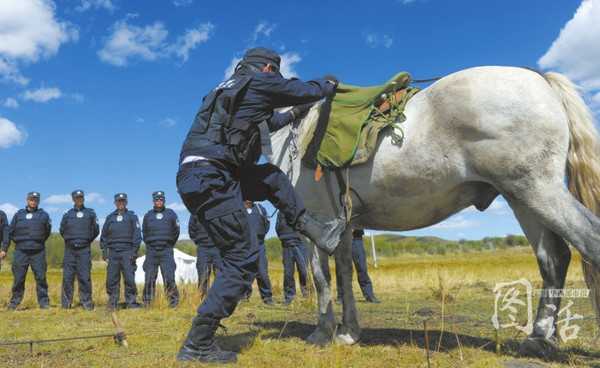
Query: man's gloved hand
x=332, y=78
x=133, y=256
x=105, y=254
x=301, y=109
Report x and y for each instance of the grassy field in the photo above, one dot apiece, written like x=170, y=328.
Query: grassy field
x=453, y=295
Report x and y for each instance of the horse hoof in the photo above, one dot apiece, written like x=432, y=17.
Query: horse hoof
x=319, y=338
x=344, y=339
x=533, y=347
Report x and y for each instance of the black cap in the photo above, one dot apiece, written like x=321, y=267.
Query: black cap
x=120, y=196
x=159, y=194
x=264, y=56
x=77, y=193
x=33, y=195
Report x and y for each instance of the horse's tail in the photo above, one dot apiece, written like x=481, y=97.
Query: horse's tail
x=583, y=163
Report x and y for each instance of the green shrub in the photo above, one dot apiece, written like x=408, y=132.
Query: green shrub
x=187, y=247
x=274, y=249
x=55, y=250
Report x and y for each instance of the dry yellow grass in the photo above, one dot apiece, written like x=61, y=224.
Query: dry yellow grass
x=265, y=336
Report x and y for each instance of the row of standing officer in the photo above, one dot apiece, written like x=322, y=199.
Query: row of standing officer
x=79, y=227
x=120, y=241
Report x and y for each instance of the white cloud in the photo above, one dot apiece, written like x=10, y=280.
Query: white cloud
x=231, y=68
x=51, y=209
x=76, y=97
x=42, y=94
x=9, y=209
x=190, y=40
x=11, y=102
x=10, y=72
x=29, y=31
x=576, y=51
x=374, y=40
x=182, y=2
x=96, y=4
x=288, y=62
x=499, y=207
x=67, y=199
x=177, y=206
x=129, y=42
x=262, y=29
x=59, y=199
x=94, y=197
x=168, y=122
x=455, y=222
x=11, y=134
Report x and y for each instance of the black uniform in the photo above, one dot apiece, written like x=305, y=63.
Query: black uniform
x=29, y=229
x=160, y=229
x=295, y=256
x=259, y=222
x=121, y=237
x=79, y=227
x=208, y=257
x=360, y=263
x=4, y=238
x=218, y=171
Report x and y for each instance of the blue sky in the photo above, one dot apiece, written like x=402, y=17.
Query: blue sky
x=99, y=94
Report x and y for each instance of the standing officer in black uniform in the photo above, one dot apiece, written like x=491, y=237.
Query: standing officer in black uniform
x=360, y=263
x=218, y=169
x=294, y=256
x=4, y=238
x=79, y=227
x=120, y=242
x=160, y=229
x=29, y=229
x=208, y=257
x=259, y=222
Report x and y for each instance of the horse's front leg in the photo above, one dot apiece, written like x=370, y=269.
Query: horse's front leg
x=349, y=332
x=327, y=324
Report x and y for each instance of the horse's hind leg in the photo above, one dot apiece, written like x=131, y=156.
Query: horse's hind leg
x=553, y=257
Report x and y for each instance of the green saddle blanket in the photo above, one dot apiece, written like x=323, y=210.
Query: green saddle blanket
x=355, y=118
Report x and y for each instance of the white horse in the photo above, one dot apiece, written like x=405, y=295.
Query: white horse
x=469, y=137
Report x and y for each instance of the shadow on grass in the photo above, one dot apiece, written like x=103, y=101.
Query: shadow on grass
x=236, y=342
x=395, y=337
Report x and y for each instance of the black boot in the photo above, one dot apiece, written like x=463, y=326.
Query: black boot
x=326, y=235
x=200, y=347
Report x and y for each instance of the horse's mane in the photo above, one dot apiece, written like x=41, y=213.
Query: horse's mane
x=307, y=125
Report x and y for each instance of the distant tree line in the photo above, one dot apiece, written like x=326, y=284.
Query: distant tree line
x=394, y=245
x=386, y=245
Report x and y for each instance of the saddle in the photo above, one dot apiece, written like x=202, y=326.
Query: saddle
x=350, y=121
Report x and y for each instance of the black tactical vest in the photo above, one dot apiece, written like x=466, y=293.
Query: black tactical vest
x=216, y=115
